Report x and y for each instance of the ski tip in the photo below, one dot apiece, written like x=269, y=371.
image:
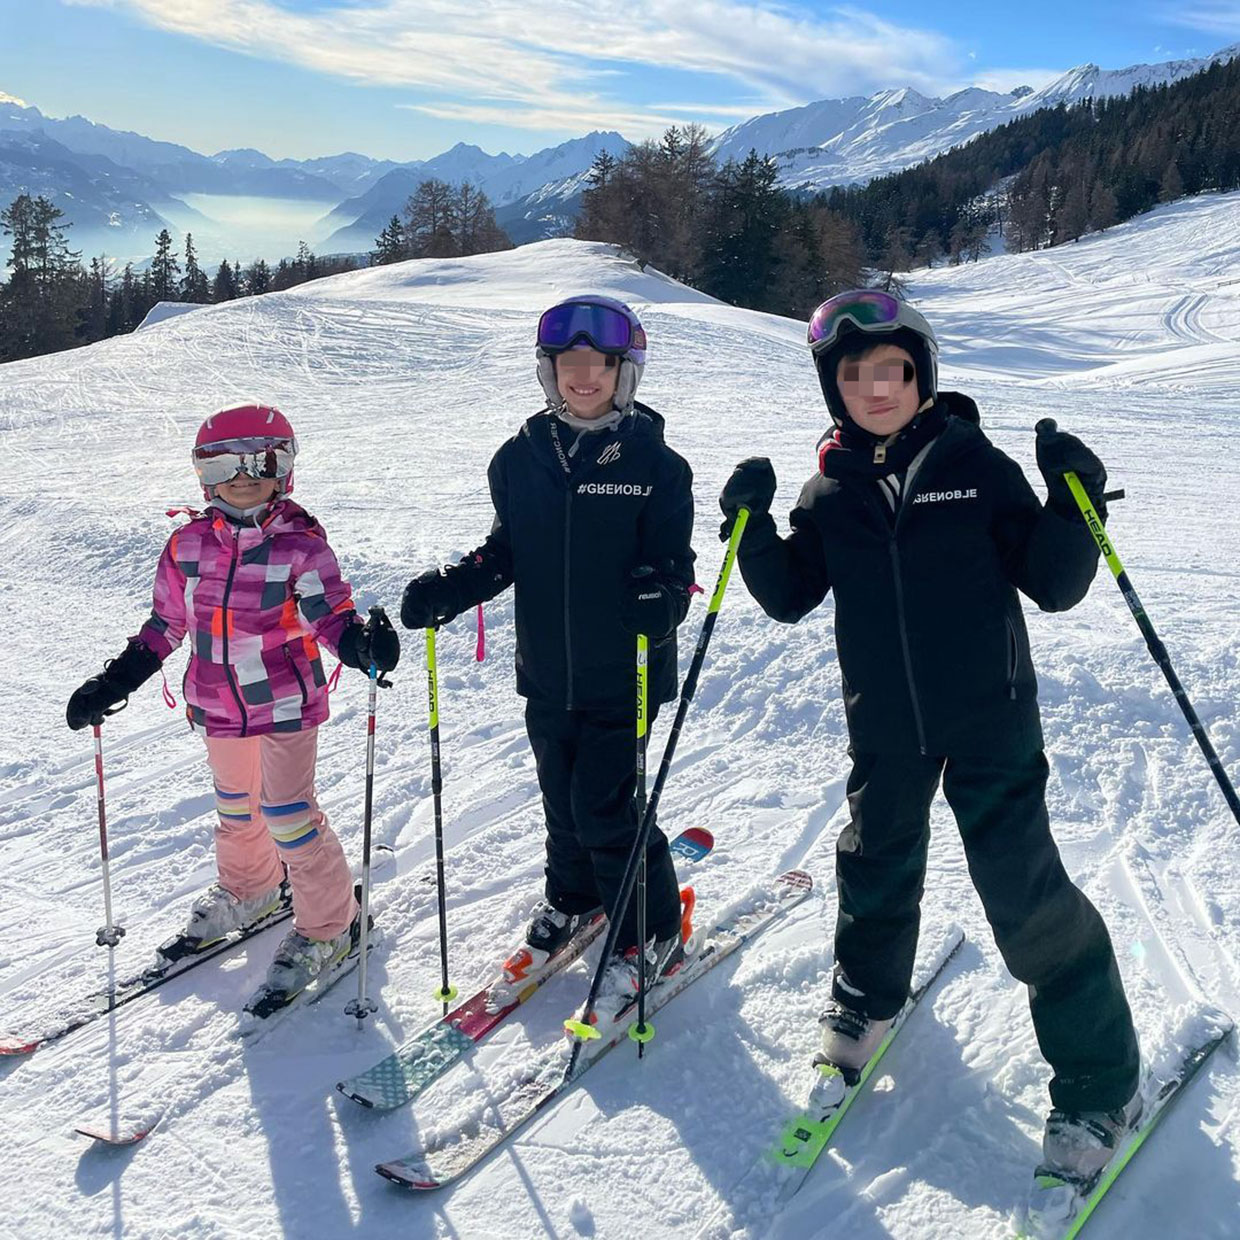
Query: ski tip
x=693, y=844
x=407, y=1175
x=119, y=1133
x=15, y=1046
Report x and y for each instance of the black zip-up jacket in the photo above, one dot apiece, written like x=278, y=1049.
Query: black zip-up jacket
x=574, y=515
x=928, y=626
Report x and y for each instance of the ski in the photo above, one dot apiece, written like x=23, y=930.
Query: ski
x=1059, y=1207
x=441, y=1161
x=117, y=1129
x=103, y=1002
x=97, y=1004
x=402, y=1075
x=781, y=1170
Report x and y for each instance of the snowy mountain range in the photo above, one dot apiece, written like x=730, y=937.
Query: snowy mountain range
x=119, y=187
x=839, y=141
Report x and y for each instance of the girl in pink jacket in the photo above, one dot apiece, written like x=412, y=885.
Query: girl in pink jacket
x=254, y=585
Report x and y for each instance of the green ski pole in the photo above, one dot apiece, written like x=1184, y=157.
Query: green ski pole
x=1159, y=652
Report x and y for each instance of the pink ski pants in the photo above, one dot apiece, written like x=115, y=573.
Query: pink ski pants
x=269, y=819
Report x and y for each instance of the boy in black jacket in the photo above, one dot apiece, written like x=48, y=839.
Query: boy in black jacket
x=925, y=531
x=593, y=518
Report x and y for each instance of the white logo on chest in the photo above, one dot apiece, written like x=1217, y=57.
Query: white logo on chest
x=609, y=454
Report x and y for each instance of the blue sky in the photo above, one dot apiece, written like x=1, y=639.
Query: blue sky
x=406, y=79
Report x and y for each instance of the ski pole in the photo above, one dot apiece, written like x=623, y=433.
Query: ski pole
x=363, y=1005
x=641, y=1033
x=1156, y=648
x=109, y=934
x=446, y=993
x=583, y=1030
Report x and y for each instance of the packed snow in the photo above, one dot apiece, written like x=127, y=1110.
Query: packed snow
x=401, y=383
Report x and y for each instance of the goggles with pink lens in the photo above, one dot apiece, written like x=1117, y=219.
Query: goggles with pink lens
x=220, y=462
x=866, y=309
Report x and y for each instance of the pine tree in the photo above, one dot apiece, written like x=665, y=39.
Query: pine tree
x=40, y=303
x=390, y=244
x=224, y=286
x=257, y=278
x=164, y=269
x=430, y=220
x=194, y=285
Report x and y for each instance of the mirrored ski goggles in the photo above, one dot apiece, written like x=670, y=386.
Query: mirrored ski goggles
x=257, y=458
x=869, y=308
x=603, y=327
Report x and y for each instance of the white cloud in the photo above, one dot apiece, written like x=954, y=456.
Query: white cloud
x=495, y=61
x=21, y=103
x=1213, y=16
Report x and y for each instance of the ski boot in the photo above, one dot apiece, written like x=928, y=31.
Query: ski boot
x=215, y=915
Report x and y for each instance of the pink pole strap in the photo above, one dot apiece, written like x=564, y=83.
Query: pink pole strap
x=481, y=652
x=168, y=698
x=334, y=679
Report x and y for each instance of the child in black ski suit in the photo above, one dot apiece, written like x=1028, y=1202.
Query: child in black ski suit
x=593, y=518
x=926, y=531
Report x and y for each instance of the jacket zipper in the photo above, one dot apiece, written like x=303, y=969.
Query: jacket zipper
x=232, y=683
x=901, y=617
x=568, y=637
x=908, y=656
x=301, y=684
x=1013, y=657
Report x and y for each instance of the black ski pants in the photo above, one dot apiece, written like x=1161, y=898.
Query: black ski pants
x=587, y=770
x=1049, y=934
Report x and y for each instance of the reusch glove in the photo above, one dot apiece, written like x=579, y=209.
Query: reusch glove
x=752, y=486
x=1058, y=452
x=429, y=601
x=375, y=642
x=109, y=692
x=652, y=604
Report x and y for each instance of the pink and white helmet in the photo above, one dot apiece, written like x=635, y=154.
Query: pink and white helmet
x=257, y=440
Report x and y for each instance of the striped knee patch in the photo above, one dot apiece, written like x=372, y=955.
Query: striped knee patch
x=290, y=825
x=232, y=807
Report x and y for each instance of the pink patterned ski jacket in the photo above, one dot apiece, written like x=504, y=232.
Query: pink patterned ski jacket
x=256, y=602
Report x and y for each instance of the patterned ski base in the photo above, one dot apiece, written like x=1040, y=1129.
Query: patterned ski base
x=1058, y=1208
x=403, y=1075
x=442, y=1162
x=777, y=1176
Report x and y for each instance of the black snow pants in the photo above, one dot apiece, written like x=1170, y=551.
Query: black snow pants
x=1050, y=935
x=586, y=764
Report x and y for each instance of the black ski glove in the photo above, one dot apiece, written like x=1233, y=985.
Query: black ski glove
x=652, y=604
x=109, y=692
x=1058, y=452
x=752, y=486
x=375, y=642
x=430, y=600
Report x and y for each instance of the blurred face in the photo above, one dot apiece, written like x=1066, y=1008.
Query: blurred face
x=587, y=381
x=246, y=492
x=879, y=389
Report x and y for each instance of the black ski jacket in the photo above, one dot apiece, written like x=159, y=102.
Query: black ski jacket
x=928, y=626
x=574, y=515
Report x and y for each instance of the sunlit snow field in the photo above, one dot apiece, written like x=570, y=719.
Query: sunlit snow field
x=401, y=383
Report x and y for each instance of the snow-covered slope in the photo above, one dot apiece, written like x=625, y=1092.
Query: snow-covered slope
x=838, y=141
x=401, y=382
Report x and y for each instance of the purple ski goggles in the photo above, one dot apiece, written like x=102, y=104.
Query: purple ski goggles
x=605, y=328
x=868, y=308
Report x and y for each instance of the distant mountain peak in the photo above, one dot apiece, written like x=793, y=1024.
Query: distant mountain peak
x=4, y=98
